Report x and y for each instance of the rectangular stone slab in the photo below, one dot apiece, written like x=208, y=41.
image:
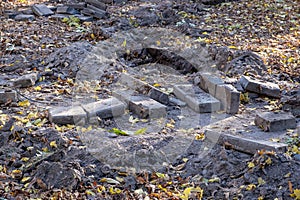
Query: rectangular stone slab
x=67, y=115
x=260, y=87
x=97, y=4
x=209, y=82
x=42, y=10
x=270, y=121
x=243, y=144
x=106, y=108
x=143, y=106
x=196, y=99
x=229, y=98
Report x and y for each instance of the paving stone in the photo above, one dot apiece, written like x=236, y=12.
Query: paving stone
x=209, y=82
x=271, y=121
x=196, y=98
x=7, y=96
x=144, y=88
x=141, y=105
x=23, y=17
x=67, y=115
x=229, y=98
x=66, y=10
x=97, y=4
x=42, y=10
x=27, y=80
x=105, y=108
x=260, y=87
x=243, y=144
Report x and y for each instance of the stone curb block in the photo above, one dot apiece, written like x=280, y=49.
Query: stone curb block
x=106, y=108
x=257, y=86
x=270, y=121
x=67, y=115
x=243, y=144
x=42, y=10
x=199, y=101
x=143, y=106
x=229, y=97
x=27, y=80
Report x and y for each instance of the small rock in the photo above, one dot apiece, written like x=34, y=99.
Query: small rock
x=7, y=96
x=66, y=10
x=297, y=157
x=270, y=121
x=27, y=80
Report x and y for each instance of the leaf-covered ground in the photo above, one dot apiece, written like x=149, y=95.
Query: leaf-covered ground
x=270, y=28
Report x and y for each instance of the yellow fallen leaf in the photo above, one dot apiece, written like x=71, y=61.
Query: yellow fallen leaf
x=251, y=164
x=260, y=181
x=296, y=194
x=156, y=85
x=200, y=136
x=187, y=192
x=25, y=179
x=38, y=88
x=53, y=144
x=24, y=159
x=25, y=103
x=250, y=187
x=269, y=161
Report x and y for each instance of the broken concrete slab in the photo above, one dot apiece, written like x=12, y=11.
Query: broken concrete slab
x=7, y=96
x=292, y=104
x=229, y=98
x=42, y=10
x=260, y=87
x=23, y=17
x=67, y=10
x=97, y=4
x=209, y=82
x=271, y=121
x=105, y=108
x=27, y=80
x=243, y=144
x=67, y=115
x=196, y=98
x=141, y=105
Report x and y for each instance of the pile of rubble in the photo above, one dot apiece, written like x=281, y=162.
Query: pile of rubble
x=85, y=11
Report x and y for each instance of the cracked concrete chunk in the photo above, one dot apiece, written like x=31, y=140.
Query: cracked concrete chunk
x=23, y=17
x=260, y=87
x=27, y=80
x=67, y=115
x=272, y=122
x=196, y=98
x=106, y=108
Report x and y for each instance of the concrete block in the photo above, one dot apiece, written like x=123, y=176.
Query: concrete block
x=292, y=104
x=41, y=10
x=23, y=17
x=229, y=98
x=143, y=106
x=260, y=87
x=106, y=108
x=146, y=107
x=67, y=115
x=196, y=98
x=27, y=80
x=97, y=4
x=7, y=96
x=66, y=10
x=243, y=144
x=85, y=18
x=209, y=82
x=270, y=121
